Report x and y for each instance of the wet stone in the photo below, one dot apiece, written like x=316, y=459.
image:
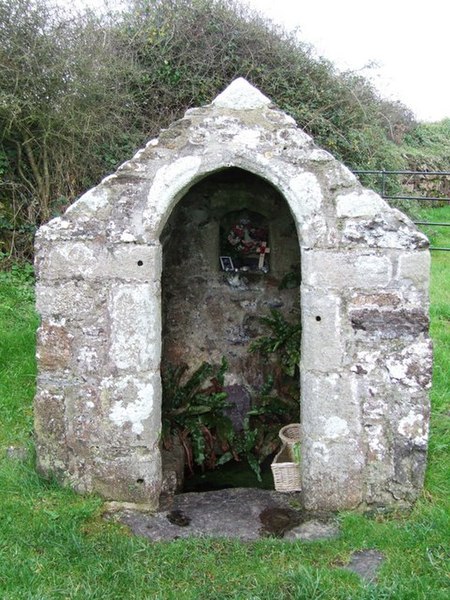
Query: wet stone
x=365, y=563
x=313, y=531
x=245, y=514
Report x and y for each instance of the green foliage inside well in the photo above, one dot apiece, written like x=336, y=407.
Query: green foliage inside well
x=277, y=403
x=283, y=341
x=193, y=410
x=195, y=406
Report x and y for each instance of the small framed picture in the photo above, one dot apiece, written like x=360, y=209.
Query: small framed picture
x=226, y=263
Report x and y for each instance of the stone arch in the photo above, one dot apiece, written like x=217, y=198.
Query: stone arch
x=173, y=182
x=319, y=310
x=364, y=301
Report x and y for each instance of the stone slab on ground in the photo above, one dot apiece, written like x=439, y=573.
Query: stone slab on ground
x=314, y=530
x=236, y=513
x=365, y=563
x=231, y=513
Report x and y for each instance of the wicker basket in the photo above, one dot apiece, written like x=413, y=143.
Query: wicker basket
x=290, y=434
x=286, y=473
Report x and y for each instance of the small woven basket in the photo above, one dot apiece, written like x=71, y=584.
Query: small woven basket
x=290, y=434
x=286, y=473
x=286, y=467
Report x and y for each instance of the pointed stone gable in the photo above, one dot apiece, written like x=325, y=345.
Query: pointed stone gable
x=240, y=95
x=366, y=353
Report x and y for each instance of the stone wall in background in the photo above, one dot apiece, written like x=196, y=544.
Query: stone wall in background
x=420, y=185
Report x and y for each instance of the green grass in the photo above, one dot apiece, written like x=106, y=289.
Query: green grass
x=18, y=323
x=55, y=544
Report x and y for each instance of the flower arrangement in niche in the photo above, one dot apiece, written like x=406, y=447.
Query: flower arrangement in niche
x=246, y=242
x=246, y=238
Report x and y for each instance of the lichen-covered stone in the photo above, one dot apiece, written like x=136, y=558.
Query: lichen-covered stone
x=366, y=353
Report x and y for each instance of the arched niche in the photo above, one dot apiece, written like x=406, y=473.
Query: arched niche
x=209, y=312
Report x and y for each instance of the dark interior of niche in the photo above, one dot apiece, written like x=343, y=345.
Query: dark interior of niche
x=205, y=314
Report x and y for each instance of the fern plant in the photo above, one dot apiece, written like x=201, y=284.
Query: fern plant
x=283, y=341
x=194, y=411
x=277, y=403
x=194, y=408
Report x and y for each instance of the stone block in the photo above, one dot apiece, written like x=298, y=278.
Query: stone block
x=322, y=331
x=58, y=230
x=54, y=346
x=361, y=203
x=72, y=300
x=332, y=474
x=134, y=477
x=332, y=451
x=344, y=270
x=309, y=197
x=114, y=414
x=135, y=323
x=91, y=261
x=412, y=366
x=337, y=176
x=50, y=413
x=86, y=421
x=388, y=323
x=413, y=428
x=409, y=461
x=380, y=300
x=90, y=351
x=414, y=268
x=169, y=183
x=96, y=202
x=240, y=95
x=330, y=409
x=52, y=459
x=387, y=229
x=132, y=409
x=52, y=452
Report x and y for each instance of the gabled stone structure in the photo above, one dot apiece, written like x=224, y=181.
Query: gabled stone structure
x=366, y=354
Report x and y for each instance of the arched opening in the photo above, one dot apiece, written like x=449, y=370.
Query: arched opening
x=230, y=292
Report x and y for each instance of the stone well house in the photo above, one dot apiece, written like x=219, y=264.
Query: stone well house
x=135, y=271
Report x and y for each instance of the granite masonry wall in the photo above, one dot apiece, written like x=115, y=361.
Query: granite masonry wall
x=366, y=354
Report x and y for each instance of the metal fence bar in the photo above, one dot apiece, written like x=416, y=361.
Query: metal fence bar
x=429, y=223
x=369, y=172
x=419, y=198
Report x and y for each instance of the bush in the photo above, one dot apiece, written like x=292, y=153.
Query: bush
x=79, y=93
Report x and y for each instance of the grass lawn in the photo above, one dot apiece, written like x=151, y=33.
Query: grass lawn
x=55, y=544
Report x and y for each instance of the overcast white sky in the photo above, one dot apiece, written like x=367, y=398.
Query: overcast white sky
x=408, y=40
